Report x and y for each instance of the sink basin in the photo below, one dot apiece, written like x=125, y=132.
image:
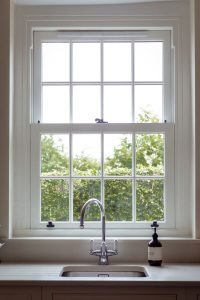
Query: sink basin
x=103, y=271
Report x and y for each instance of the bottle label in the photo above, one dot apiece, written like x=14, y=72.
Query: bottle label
x=154, y=253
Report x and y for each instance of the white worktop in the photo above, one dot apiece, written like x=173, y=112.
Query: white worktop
x=49, y=274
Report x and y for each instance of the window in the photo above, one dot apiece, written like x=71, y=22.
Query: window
x=102, y=127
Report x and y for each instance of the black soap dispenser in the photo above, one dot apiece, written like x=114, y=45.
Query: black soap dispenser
x=155, y=248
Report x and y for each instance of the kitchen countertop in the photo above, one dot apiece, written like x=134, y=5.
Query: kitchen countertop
x=49, y=274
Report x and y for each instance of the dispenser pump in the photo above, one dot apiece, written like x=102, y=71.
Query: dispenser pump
x=155, y=248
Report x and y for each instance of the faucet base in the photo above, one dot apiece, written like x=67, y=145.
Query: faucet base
x=102, y=250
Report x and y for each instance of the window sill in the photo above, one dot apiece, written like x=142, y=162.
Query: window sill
x=76, y=250
x=88, y=233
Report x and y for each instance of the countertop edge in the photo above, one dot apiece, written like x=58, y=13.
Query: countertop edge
x=43, y=274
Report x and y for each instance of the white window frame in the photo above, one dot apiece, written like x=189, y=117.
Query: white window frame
x=132, y=17
x=166, y=127
x=163, y=36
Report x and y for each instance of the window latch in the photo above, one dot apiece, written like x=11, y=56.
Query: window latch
x=50, y=224
x=97, y=120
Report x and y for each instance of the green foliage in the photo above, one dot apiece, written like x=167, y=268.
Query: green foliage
x=147, y=116
x=149, y=200
x=149, y=155
x=55, y=200
x=118, y=196
x=85, y=189
x=53, y=162
x=118, y=199
x=121, y=162
x=86, y=166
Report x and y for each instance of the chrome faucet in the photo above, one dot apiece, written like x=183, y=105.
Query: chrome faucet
x=103, y=252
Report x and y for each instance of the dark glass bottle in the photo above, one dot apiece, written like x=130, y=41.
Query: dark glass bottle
x=155, y=248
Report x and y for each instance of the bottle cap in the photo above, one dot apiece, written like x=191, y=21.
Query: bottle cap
x=154, y=224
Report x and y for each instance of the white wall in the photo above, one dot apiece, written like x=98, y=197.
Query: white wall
x=4, y=113
x=71, y=249
x=196, y=80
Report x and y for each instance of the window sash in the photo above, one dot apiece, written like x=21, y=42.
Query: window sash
x=165, y=128
x=132, y=36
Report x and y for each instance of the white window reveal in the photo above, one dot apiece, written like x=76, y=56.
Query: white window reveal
x=102, y=127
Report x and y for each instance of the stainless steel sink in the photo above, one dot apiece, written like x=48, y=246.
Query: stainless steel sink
x=98, y=271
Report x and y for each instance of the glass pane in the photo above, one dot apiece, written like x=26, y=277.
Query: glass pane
x=55, y=62
x=86, y=154
x=117, y=104
x=54, y=200
x=86, y=104
x=149, y=154
x=86, y=62
x=150, y=200
x=148, y=61
x=118, y=200
x=84, y=190
x=55, y=104
x=148, y=103
x=117, y=154
x=117, y=61
x=54, y=155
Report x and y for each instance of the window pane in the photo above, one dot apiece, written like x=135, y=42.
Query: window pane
x=117, y=154
x=54, y=200
x=150, y=200
x=86, y=104
x=86, y=62
x=54, y=155
x=84, y=190
x=149, y=154
x=117, y=104
x=148, y=61
x=55, y=104
x=148, y=103
x=117, y=61
x=86, y=154
x=118, y=200
x=55, y=62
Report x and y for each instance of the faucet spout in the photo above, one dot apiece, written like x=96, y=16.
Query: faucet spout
x=103, y=252
x=103, y=219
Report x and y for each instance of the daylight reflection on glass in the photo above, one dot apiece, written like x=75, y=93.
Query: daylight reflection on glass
x=149, y=154
x=86, y=103
x=148, y=103
x=87, y=152
x=86, y=61
x=118, y=154
x=148, y=62
x=117, y=61
x=55, y=62
x=117, y=104
x=55, y=104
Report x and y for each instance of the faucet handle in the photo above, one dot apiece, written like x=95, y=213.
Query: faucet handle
x=2, y=243
x=91, y=246
x=116, y=246
x=111, y=247
x=95, y=247
x=114, y=250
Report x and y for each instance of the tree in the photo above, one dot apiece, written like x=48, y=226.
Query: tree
x=54, y=192
x=149, y=161
x=53, y=162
